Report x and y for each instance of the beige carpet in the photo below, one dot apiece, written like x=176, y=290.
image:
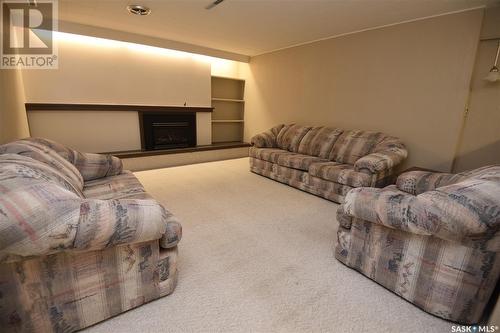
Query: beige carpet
x=257, y=256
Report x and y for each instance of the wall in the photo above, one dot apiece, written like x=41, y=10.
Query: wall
x=90, y=131
x=13, y=123
x=230, y=69
x=410, y=80
x=92, y=70
x=480, y=142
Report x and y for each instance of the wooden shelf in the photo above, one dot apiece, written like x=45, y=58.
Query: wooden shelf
x=227, y=121
x=228, y=100
x=227, y=78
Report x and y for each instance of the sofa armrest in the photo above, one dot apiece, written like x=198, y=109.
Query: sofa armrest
x=107, y=223
x=85, y=225
x=379, y=162
x=94, y=166
x=268, y=138
x=442, y=213
x=417, y=182
x=385, y=206
x=388, y=154
x=344, y=219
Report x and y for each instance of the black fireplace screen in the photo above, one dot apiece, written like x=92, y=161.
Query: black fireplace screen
x=167, y=131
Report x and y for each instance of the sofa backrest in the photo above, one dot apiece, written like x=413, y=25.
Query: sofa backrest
x=468, y=207
x=332, y=143
x=319, y=141
x=354, y=144
x=42, y=152
x=290, y=136
x=23, y=177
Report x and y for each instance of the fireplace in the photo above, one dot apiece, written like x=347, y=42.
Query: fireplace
x=168, y=130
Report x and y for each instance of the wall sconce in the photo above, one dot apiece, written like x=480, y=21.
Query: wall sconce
x=494, y=74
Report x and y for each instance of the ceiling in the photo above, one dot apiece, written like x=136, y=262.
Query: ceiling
x=253, y=27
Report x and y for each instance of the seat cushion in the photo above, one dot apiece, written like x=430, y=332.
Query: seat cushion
x=267, y=154
x=123, y=186
x=290, y=136
x=339, y=173
x=319, y=141
x=298, y=161
x=352, y=145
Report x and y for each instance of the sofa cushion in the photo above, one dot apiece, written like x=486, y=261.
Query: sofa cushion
x=267, y=154
x=298, y=161
x=122, y=186
x=290, y=136
x=319, y=141
x=352, y=145
x=339, y=173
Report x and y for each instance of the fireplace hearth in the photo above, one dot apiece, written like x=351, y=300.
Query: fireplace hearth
x=168, y=130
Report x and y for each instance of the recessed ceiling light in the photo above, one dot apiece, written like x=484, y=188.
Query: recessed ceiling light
x=138, y=10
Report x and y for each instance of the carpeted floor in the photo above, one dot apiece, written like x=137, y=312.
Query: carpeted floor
x=257, y=256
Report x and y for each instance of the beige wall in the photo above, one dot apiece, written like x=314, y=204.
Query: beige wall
x=203, y=128
x=410, y=80
x=13, y=123
x=90, y=131
x=230, y=68
x=480, y=142
x=106, y=72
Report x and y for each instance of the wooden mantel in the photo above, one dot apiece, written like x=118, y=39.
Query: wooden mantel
x=113, y=107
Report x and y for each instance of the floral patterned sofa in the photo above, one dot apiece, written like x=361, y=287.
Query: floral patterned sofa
x=80, y=239
x=433, y=239
x=327, y=162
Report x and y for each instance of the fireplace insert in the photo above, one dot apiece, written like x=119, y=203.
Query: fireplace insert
x=168, y=130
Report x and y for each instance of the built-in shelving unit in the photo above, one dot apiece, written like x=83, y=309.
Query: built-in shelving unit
x=228, y=114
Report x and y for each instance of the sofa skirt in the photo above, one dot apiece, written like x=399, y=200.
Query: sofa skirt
x=300, y=179
x=69, y=291
x=444, y=278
